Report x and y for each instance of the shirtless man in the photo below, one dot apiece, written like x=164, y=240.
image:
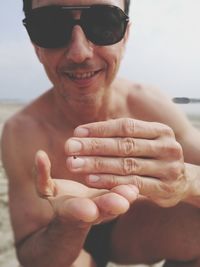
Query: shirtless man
x=100, y=169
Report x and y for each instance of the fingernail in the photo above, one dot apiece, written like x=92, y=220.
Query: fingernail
x=93, y=178
x=40, y=154
x=81, y=132
x=74, y=146
x=77, y=163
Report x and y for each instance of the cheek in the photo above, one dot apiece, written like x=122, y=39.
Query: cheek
x=50, y=62
x=114, y=56
x=48, y=57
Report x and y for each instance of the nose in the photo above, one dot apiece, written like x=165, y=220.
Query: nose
x=79, y=48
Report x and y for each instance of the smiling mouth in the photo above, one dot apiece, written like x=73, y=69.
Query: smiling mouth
x=81, y=76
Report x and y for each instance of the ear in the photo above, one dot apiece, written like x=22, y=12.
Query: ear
x=37, y=51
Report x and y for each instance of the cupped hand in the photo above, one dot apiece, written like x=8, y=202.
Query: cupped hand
x=73, y=201
x=127, y=151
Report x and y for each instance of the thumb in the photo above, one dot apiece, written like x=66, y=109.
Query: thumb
x=44, y=184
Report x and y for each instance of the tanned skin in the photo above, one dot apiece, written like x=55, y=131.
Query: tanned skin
x=91, y=150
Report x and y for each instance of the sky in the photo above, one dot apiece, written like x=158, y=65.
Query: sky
x=163, y=50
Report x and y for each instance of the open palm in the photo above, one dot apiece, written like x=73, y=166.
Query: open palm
x=73, y=201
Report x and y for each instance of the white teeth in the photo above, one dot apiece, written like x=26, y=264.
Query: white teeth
x=80, y=76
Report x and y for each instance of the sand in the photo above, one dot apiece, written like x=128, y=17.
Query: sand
x=7, y=252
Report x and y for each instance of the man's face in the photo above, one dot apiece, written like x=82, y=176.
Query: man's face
x=81, y=68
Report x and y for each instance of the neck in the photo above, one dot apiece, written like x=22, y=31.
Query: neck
x=86, y=108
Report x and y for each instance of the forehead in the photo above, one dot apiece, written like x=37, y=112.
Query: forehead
x=39, y=3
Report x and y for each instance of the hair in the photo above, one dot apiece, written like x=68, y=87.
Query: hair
x=27, y=6
x=127, y=6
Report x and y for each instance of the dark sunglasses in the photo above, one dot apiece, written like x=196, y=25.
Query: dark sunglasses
x=51, y=26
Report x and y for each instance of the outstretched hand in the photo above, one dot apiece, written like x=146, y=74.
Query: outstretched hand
x=73, y=201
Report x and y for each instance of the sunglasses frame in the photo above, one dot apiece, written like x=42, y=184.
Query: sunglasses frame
x=124, y=19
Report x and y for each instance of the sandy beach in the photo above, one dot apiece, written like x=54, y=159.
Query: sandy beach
x=7, y=252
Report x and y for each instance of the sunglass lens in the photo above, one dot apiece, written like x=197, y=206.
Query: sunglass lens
x=104, y=25
x=49, y=28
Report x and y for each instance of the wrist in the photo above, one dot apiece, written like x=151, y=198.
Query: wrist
x=193, y=178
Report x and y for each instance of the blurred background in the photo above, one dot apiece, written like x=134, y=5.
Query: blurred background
x=163, y=49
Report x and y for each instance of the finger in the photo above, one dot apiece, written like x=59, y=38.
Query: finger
x=81, y=209
x=102, y=205
x=120, y=147
x=44, y=184
x=161, y=193
x=98, y=208
x=107, y=181
x=123, y=166
x=130, y=192
x=111, y=204
x=123, y=127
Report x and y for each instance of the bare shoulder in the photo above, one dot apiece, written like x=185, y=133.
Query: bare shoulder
x=20, y=133
x=21, y=122
x=138, y=91
x=22, y=136
x=26, y=129
x=150, y=99
x=153, y=104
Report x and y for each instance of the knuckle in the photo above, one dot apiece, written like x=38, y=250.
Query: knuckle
x=166, y=199
x=95, y=145
x=98, y=164
x=112, y=181
x=175, y=150
x=163, y=149
x=166, y=130
x=127, y=126
x=129, y=166
x=178, y=150
x=101, y=129
x=176, y=170
x=171, y=149
x=167, y=195
x=137, y=181
x=169, y=191
x=170, y=132
x=126, y=146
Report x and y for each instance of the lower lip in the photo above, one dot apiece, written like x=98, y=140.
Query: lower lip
x=86, y=82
